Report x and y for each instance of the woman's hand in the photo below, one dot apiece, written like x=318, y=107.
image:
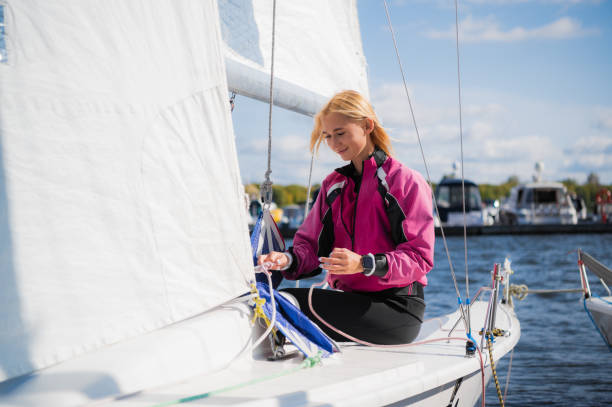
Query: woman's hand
x=342, y=261
x=277, y=259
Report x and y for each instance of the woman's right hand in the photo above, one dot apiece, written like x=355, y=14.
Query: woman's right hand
x=278, y=260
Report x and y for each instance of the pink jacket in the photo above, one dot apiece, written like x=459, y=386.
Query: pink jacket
x=400, y=226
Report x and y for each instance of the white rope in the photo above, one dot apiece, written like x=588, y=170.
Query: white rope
x=307, y=208
x=452, y=270
x=266, y=188
x=309, y=186
x=263, y=268
x=467, y=277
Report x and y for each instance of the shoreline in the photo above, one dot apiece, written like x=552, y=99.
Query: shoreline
x=580, y=228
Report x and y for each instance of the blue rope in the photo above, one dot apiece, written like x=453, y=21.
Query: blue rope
x=469, y=334
x=596, y=327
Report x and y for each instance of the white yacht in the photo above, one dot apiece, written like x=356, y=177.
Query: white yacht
x=538, y=202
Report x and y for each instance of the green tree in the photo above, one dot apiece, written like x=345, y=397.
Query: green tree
x=280, y=196
x=512, y=181
x=593, y=179
x=297, y=193
x=252, y=190
x=571, y=185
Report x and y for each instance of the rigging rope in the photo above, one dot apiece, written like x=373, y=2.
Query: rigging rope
x=520, y=291
x=307, y=208
x=452, y=270
x=266, y=187
x=467, y=278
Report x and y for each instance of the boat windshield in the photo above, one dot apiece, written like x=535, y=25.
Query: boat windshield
x=449, y=196
x=542, y=196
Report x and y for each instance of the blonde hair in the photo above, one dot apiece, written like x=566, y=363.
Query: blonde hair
x=353, y=105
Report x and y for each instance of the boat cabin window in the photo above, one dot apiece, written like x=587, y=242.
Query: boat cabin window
x=443, y=197
x=519, y=197
x=449, y=196
x=542, y=196
x=3, y=52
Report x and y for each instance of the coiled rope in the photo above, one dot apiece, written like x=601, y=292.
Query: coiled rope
x=519, y=291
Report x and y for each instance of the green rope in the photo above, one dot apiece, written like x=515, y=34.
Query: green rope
x=307, y=363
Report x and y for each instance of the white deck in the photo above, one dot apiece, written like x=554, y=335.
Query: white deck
x=359, y=376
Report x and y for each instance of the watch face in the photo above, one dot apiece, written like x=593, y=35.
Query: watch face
x=367, y=262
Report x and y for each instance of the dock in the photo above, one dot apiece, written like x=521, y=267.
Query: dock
x=527, y=229
x=508, y=229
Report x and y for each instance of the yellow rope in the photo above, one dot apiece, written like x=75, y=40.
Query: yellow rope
x=496, y=332
x=520, y=291
x=258, y=311
x=499, y=395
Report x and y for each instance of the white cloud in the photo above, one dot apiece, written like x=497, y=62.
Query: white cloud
x=480, y=130
x=489, y=30
x=504, y=135
x=293, y=145
x=591, y=146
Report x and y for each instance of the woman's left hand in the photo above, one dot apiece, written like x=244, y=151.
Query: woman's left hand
x=342, y=261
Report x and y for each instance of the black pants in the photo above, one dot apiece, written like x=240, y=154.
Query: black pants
x=384, y=317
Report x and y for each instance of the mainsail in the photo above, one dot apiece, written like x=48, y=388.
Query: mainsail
x=115, y=132
x=318, y=50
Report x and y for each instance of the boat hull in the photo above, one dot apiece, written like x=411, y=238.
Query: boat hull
x=424, y=374
x=600, y=310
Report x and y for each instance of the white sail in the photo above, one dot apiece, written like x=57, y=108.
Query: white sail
x=318, y=50
x=114, y=132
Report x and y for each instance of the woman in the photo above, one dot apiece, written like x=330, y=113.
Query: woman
x=371, y=228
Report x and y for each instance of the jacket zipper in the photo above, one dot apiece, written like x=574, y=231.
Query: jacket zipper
x=355, y=208
x=355, y=217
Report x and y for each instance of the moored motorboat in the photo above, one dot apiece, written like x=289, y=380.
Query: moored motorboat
x=449, y=196
x=538, y=203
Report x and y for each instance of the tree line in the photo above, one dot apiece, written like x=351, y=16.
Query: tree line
x=285, y=195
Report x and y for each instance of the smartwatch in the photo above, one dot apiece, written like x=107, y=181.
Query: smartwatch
x=369, y=264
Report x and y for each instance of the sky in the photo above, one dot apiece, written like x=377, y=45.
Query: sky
x=535, y=87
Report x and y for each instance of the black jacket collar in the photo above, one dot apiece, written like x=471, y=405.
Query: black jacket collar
x=349, y=170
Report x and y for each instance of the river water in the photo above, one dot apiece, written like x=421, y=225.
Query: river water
x=561, y=359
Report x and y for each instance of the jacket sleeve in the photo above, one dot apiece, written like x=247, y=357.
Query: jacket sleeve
x=413, y=256
x=306, y=241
